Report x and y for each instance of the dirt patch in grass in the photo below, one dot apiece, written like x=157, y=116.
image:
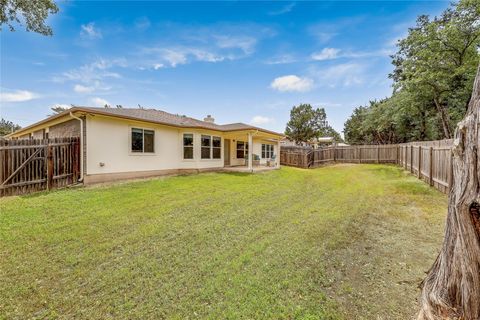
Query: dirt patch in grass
x=390, y=248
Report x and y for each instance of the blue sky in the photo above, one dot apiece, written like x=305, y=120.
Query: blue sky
x=238, y=61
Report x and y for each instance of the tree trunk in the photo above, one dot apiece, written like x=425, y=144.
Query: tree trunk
x=445, y=119
x=451, y=289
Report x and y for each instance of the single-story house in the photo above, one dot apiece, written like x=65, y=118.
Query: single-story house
x=123, y=143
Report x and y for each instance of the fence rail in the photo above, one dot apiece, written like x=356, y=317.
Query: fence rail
x=38, y=164
x=430, y=161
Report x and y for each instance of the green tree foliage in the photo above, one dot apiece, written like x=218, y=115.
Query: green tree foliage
x=307, y=123
x=58, y=109
x=7, y=127
x=32, y=13
x=434, y=69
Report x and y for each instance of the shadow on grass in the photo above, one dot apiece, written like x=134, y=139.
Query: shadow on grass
x=42, y=193
x=237, y=174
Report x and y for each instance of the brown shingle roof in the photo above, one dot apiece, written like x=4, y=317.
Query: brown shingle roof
x=156, y=116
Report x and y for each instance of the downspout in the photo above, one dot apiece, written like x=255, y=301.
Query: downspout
x=81, y=144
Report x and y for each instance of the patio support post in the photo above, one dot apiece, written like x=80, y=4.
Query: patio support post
x=250, y=152
x=278, y=154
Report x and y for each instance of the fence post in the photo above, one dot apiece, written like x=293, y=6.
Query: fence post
x=431, y=166
x=378, y=154
x=49, y=167
x=406, y=158
x=411, y=159
x=450, y=173
x=74, y=155
x=419, y=162
x=334, y=153
x=359, y=154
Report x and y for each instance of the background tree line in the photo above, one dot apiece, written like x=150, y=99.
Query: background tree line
x=434, y=70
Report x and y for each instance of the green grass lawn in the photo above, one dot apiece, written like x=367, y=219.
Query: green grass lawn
x=339, y=242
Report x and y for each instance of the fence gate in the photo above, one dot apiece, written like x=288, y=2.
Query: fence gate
x=31, y=165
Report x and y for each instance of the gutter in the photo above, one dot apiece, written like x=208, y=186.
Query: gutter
x=81, y=144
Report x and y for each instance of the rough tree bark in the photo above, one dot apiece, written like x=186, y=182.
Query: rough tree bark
x=451, y=289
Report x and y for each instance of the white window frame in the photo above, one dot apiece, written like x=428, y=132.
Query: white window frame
x=143, y=153
x=245, y=149
x=210, y=147
x=183, y=146
x=268, y=153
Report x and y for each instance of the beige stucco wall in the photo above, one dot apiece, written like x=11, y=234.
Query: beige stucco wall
x=108, y=142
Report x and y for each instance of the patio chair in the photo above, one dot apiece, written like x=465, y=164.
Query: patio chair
x=271, y=161
x=255, y=160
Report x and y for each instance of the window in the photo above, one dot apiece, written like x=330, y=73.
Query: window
x=142, y=140
x=217, y=148
x=242, y=149
x=206, y=146
x=267, y=151
x=211, y=147
x=187, y=146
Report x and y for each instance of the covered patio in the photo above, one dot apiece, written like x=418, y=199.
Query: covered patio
x=251, y=151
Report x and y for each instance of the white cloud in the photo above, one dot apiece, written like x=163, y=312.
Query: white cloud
x=333, y=53
x=281, y=59
x=285, y=9
x=259, y=120
x=172, y=57
x=292, y=83
x=17, y=96
x=93, y=76
x=244, y=43
x=326, y=54
x=203, y=55
x=215, y=43
x=97, y=70
x=345, y=74
x=89, y=31
x=83, y=89
x=99, y=102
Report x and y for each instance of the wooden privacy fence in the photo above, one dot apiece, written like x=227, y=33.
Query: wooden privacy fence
x=430, y=161
x=307, y=158
x=38, y=164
